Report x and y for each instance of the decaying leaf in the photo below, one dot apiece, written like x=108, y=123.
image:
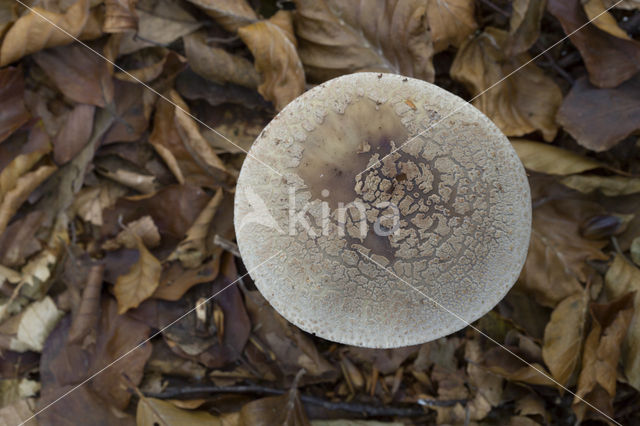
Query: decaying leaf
x=120, y=16
x=556, y=266
x=600, y=118
x=31, y=33
x=603, y=19
x=74, y=134
x=500, y=362
x=609, y=185
x=218, y=65
x=140, y=282
x=338, y=37
x=285, y=410
x=34, y=325
x=597, y=381
x=623, y=277
x=156, y=412
x=609, y=60
x=524, y=26
x=563, y=336
x=274, y=48
x=142, y=228
x=91, y=201
x=552, y=160
x=230, y=14
x=521, y=103
x=13, y=113
x=451, y=22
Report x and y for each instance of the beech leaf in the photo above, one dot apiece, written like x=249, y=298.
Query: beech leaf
x=140, y=282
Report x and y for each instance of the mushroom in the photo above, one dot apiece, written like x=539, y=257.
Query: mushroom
x=382, y=177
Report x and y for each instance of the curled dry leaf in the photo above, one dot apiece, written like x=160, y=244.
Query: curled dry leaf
x=610, y=186
x=556, y=264
x=193, y=249
x=552, y=160
x=587, y=113
x=524, y=26
x=597, y=381
x=602, y=19
x=451, y=22
x=30, y=33
x=140, y=282
x=230, y=14
x=119, y=16
x=273, y=46
x=623, y=277
x=609, y=60
x=563, y=336
x=142, y=228
x=91, y=201
x=518, y=103
x=79, y=74
x=504, y=364
x=34, y=325
x=217, y=64
x=338, y=37
x=13, y=113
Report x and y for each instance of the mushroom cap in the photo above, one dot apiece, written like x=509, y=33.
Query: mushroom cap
x=452, y=209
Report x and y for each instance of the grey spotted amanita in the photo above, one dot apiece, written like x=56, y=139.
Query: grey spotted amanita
x=370, y=177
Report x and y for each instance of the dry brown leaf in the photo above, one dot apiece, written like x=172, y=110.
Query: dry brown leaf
x=140, y=282
x=556, y=264
x=13, y=113
x=87, y=313
x=90, y=202
x=156, y=412
x=272, y=44
x=524, y=102
x=217, y=64
x=74, y=134
x=18, y=242
x=230, y=14
x=338, y=37
x=563, y=336
x=550, y=159
x=18, y=413
x=625, y=4
x=609, y=60
x=193, y=249
x=143, y=183
x=192, y=139
x=608, y=185
x=31, y=33
x=504, y=364
x=451, y=22
x=24, y=186
x=119, y=16
x=524, y=26
x=600, y=118
x=602, y=19
x=80, y=74
x=623, y=277
x=153, y=68
x=285, y=410
x=34, y=325
x=597, y=381
x=487, y=386
x=142, y=228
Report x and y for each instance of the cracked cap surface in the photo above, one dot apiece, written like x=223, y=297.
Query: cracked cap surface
x=449, y=212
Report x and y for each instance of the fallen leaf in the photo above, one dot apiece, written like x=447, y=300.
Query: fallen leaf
x=550, y=159
x=600, y=118
x=156, y=412
x=91, y=201
x=18, y=242
x=524, y=26
x=504, y=364
x=142, y=228
x=34, y=325
x=273, y=46
x=623, y=277
x=338, y=37
x=563, y=336
x=18, y=413
x=130, y=119
x=601, y=18
x=79, y=74
x=13, y=113
x=624, y=4
x=87, y=314
x=518, y=103
x=218, y=65
x=597, y=381
x=127, y=174
x=609, y=60
x=285, y=410
x=610, y=186
x=230, y=14
x=451, y=22
x=192, y=250
x=487, y=387
x=140, y=282
x=556, y=266
x=31, y=33
x=119, y=16
x=74, y=134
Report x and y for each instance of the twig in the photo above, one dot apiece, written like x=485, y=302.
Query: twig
x=352, y=407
